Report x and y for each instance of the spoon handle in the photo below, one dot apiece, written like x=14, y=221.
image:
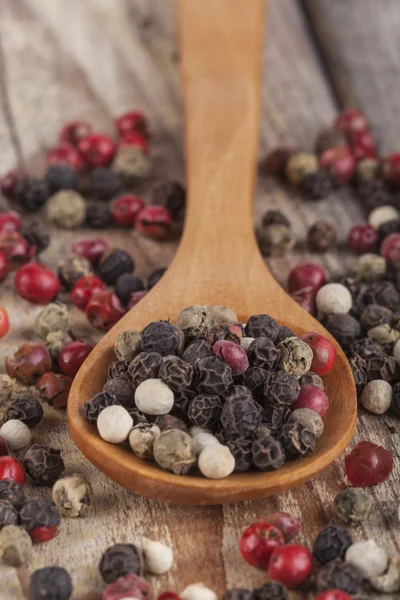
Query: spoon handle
x=221, y=48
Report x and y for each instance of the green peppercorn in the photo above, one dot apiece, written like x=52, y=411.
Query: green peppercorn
x=299, y=166
x=275, y=240
x=175, y=450
x=369, y=267
x=195, y=321
x=131, y=164
x=353, y=505
x=54, y=317
x=127, y=345
x=67, y=209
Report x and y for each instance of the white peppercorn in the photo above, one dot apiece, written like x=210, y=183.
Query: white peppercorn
x=221, y=314
x=369, y=267
x=396, y=351
x=308, y=418
x=389, y=582
x=246, y=342
x=141, y=439
x=73, y=496
x=67, y=209
x=154, y=397
x=296, y=356
x=216, y=461
x=114, y=424
x=195, y=430
x=384, y=334
x=16, y=434
x=54, y=317
x=194, y=321
x=377, y=396
x=174, y=450
x=382, y=214
x=4, y=390
x=127, y=345
x=333, y=298
x=198, y=591
x=15, y=546
x=158, y=558
x=368, y=557
x=203, y=440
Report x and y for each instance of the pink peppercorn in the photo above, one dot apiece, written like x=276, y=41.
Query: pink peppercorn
x=305, y=298
x=390, y=248
x=313, y=398
x=138, y=140
x=154, y=222
x=9, y=182
x=128, y=586
x=289, y=525
x=74, y=131
x=3, y=448
x=135, y=298
x=363, y=238
x=104, y=309
x=132, y=122
x=93, y=250
x=362, y=145
x=351, y=120
x=10, y=221
x=233, y=354
x=96, y=149
x=368, y=464
x=72, y=356
x=340, y=163
x=390, y=169
x=305, y=275
x=64, y=153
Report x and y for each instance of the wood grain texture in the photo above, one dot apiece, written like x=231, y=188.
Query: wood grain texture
x=93, y=60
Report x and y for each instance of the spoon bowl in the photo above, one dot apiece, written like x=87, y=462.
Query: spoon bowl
x=218, y=261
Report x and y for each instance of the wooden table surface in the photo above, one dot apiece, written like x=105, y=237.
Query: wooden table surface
x=65, y=59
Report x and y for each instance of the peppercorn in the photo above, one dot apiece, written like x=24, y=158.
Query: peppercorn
x=377, y=396
x=43, y=464
x=71, y=269
x=373, y=193
x=339, y=575
x=216, y=461
x=145, y=365
x=181, y=403
x=321, y=236
x=37, y=513
x=113, y=264
x=224, y=332
x=374, y=315
x=50, y=583
x=212, y=375
x=131, y=164
x=274, y=417
x=194, y=321
x=309, y=419
x=384, y=335
x=237, y=594
x=126, y=285
x=253, y=378
x=330, y=138
x=60, y=177
x=155, y=277
x=15, y=434
x=275, y=217
x=383, y=293
x=98, y=215
x=369, y=267
x=15, y=546
x=73, y=496
x=28, y=363
x=8, y=514
x=171, y=195
x=240, y=413
x=368, y=557
x=267, y=453
x=54, y=389
x=54, y=317
x=281, y=388
x=175, y=451
x=262, y=353
x=365, y=348
x=382, y=366
x=205, y=411
x=93, y=407
x=55, y=341
x=332, y=542
x=154, y=397
x=241, y=451
x=359, y=369
x=296, y=356
x=276, y=160
x=333, y=298
x=389, y=582
x=176, y=373
x=36, y=235
x=127, y=345
x=102, y=184
x=66, y=209
x=141, y=439
x=353, y=505
x=344, y=328
x=122, y=388
x=195, y=350
x=167, y=421
x=388, y=228
x=297, y=440
x=311, y=378
x=366, y=170
x=114, y=424
x=275, y=240
x=117, y=368
x=27, y=410
x=12, y=492
x=31, y=193
x=262, y=326
x=272, y=590
x=318, y=186
x=222, y=315
x=299, y=166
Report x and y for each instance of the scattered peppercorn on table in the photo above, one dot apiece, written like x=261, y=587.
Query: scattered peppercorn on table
x=93, y=61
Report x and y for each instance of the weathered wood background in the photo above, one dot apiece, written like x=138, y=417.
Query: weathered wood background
x=65, y=59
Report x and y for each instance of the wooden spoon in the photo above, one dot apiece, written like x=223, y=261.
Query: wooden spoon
x=218, y=261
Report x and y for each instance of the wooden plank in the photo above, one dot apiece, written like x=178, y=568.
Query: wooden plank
x=93, y=60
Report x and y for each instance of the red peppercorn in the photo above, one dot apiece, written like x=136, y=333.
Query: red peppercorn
x=11, y=468
x=154, y=222
x=72, y=356
x=362, y=145
x=390, y=169
x=132, y=122
x=29, y=362
x=43, y=533
x=257, y=543
x=333, y=595
x=363, y=238
x=289, y=525
x=4, y=266
x=125, y=209
x=306, y=275
x=368, y=464
x=312, y=397
x=3, y=448
x=37, y=283
x=104, y=310
x=291, y=565
x=96, y=149
x=64, y=153
x=10, y=221
x=54, y=389
x=135, y=298
x=168, y=596
x=390, y=248
x=323, y=350
x=9, y=182
x=351, y=120
x=305, y=298
x=93, y=250
x=4, y=322
x=15, y=248
x=233, y=354
x=84, y=289
x=340, y=163
x=137, y=140
x=74, y=131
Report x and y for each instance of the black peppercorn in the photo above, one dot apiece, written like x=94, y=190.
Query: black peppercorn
x=72, y=268
x=271, y=591
x=102, y=184
x=374, y=315
x=262, y=326
x=27, y=410
x=352, y=284
x=382, y=366
x=126, y=285
x=359, y=369
x=50, y=583
x=13, y=492
x=267, y=453
x=373, y=193
x=275, y=416
x=39, y=513
x=221, y=332
x=297, y=440
x=253, y=378
x=240, y=415
x=36, y=235
x=205, y=411
x=155, y=277
x=321, y=236
x=8, y=514
x=237, y=594
x=113, y=264
x=312, y=378
x=176, y=373
x=364, y=347
x=171, y=195
x=31, y=193
x=262, y=353
x=241, y=450
x=161, y=337
x=339, y=575
x=383, y=293
x=43, y=464
x=181, y=403
x=318, y=186
x=165, y=422
x=195, y=350
x=280, y=388
x=395, y=406
x=98, y=215
x=387, y=228
x=122, y=388
x=119, y=560
x=145, y=365
x=117, y=368
x=284, y=333
x=344, y=328
x=60, y=177
x=332, y=542
x=212, y=375
x=93, y=407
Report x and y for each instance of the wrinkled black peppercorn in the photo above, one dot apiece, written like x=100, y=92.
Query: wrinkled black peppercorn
x=119, y=560
x=205, y=411
x=312, y=378
x=395, y=406
x=98, y=215
x=241, y=450
x=60, y=177
x=113, y=264
x=126, y=285
x=27, y=410
x=172, y=196
x=382, y=366
x=374, y=315
x=221, y=332
x=195, y=350
x=122, y=388
x=383, y=293
x=181, y=403
x=13, y=492
x=254, y=378
x=145, y=365
x=364, y=347
x=161, y=337
x=280, y=388
x=102, y=184
x=344, y=328
x=50, y=583
x=8, y=514
x=240, y=414
x=359, y=368
x=262, y=353
x=212, y=375
x=275, y=416
x=267, y=453
x=117, y=368
x=93, y=408
x=262, y=326
x=284, y=333
x=176, y=373
x=39, y=513
x=332, y=542
x=271, y=591
x=237, y=594
x=317, y=185
x=297, y=440
x=36, y=235
x=43, y=464
x=340, y=575
x=155, y=277
x=31, y=193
